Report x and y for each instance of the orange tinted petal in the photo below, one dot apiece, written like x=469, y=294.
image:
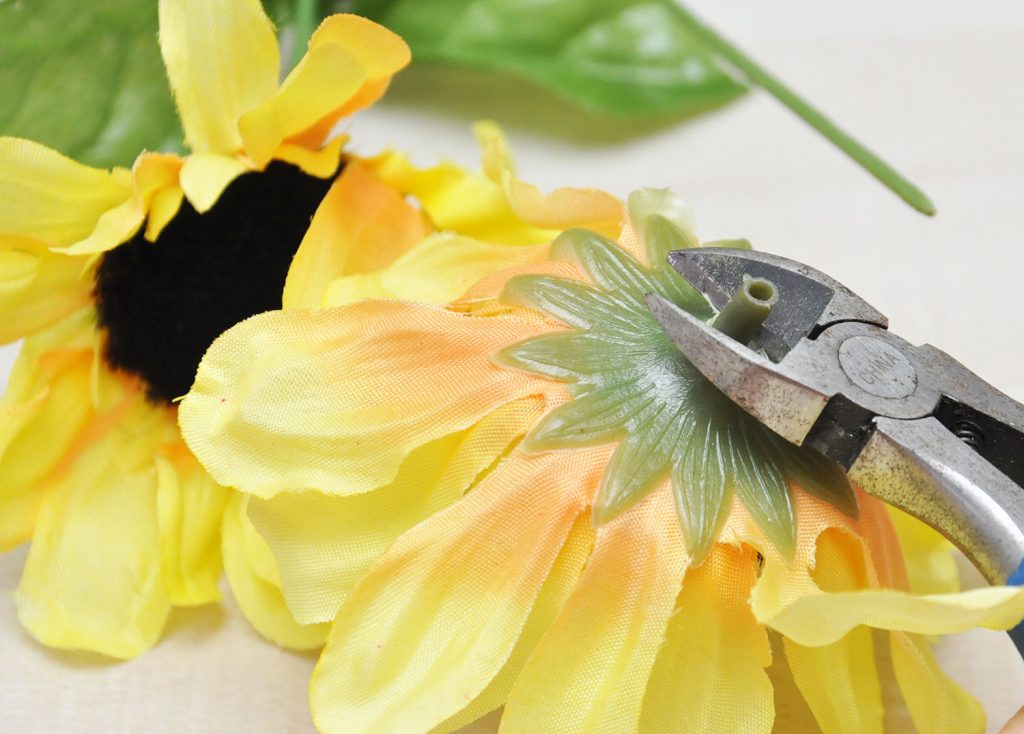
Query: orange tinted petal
x=590, y=671
x=360, y=225
x=562, y=208
x=335, y=400
x=438, y=616
x=347, y=54
x=802, y=606
x=552, y=597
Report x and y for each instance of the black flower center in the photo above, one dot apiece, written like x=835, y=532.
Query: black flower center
x=163, y=303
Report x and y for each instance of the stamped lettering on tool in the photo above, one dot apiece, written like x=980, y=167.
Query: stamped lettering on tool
x=877, y=367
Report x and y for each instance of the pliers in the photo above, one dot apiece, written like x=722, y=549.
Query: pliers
x=910, y=424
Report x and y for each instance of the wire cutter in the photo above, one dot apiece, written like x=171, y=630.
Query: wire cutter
x=910, y=424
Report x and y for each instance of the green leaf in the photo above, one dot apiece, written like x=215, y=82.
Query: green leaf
x=570, y=301
x=567, y=356
x=86, y=80
x=640, y=463
x=701, y=492
x=624, y=57
x=89, y=81
x=590, y=420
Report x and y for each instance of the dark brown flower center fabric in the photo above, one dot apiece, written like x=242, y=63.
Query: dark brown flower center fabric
x=163, y=303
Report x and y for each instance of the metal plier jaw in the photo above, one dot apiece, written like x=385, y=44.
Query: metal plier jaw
x=910, y=424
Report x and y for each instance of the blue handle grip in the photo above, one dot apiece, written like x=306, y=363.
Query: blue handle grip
x=1017, y=633
x=1017, y=577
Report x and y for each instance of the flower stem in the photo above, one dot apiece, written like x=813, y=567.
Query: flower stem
x=757, y=75
x=305, y=14
x=748, y=308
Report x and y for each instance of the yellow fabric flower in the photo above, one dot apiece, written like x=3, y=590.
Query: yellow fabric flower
x=118, y=280
x=463, y=569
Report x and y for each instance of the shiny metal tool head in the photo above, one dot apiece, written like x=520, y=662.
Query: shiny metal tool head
x=809, y=300
x=909, y=424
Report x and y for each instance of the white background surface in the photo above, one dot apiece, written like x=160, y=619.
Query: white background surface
x=933, y=86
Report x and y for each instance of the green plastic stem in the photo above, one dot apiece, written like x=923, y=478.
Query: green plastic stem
x=757, y=75
x=748, y=308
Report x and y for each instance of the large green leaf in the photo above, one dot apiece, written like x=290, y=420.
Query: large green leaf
x=626, y=57
x=621, y=57
x=87, y=80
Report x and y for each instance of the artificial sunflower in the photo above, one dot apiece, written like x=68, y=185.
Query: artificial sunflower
x=118, y=281
x=527, y=498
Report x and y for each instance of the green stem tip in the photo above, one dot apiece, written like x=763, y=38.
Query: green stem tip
x=748, y=308
x=757, y=75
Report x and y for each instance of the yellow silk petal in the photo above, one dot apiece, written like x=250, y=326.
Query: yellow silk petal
x=251, y=573
x=936, y=703
x=589, y=672
x=361, y=224
x=928, y=556
x=41, y=414
x=222, y=61
x=323, y=544
x=321, y=162
x=37, y=287
x=710, y=673
x=345, y=54
x=151, y=174
x=162, y=209
x=840, y=681
x=379, y=51
x=335, y=400
x=823, y=618
x=553, y=595
x=92, y=577
x=438, y=270
x=48, y=197
x=459, y=201
x=562, y=208
x=789, y=599
x=437, y=617
x=205, y=176
x=19, y=266
x=190, y=507
x=35, y=442
x=784, y=580
x=325, y=79
x=792, y=713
